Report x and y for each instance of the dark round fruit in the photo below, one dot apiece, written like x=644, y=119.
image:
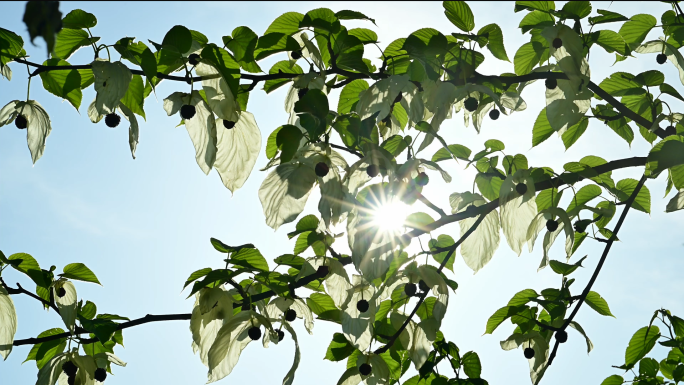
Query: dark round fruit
x=470, y=104
x=670, y=130
x=61, y=292
x=423, y=286
x=281, y=335
x=69, y=368
x=362, y=306
x=322, y=169
x=323, y=271
x=397, y=99
x=302, y=92
x=228, y=124
x=521, y=188
x=290, y=315
x=20, y=122
x=561, y=336
x=661, y=58
x=552, y=225
x=551, y=83
x=100, y=374
x=557, y=43
x=112, y=120
x=296, y=55
x=422, y=179
x=410, y=289
x=187, y=111
x=372, y=170
x=529, y=353
x=254, y=333
x=494, y=114
x=71, y=380
x=193, y=59
x=365, y=369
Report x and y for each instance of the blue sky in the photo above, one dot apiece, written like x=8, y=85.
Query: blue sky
x=143, y=225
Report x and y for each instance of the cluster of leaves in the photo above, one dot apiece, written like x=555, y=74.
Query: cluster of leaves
x=422, y=81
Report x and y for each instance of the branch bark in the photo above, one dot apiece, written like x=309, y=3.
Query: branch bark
x=592, y=280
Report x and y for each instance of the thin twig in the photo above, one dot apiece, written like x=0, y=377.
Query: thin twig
x=429, y=204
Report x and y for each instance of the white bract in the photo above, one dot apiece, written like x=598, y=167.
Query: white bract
x=8, y=323
x=67, y=303
x=479, y=248
x=237, y=150
x=111, y=84
x=517, y=211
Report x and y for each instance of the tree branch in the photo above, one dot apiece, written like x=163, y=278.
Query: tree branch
x=609, y=243
x=429, y=204
x=333, y=145
x=21, y=290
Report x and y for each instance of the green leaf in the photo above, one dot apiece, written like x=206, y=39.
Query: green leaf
x=648, y=367
x=79, y=272
x=536, y=20
x=418, y=220
x=565, y=269
x=641, y=343
x=543, y=6
x=548, y=198
x=314, y=102
x=365, y=36
x=197, y=275
x=623, y=190
x=10, y=46
x=635, y=30
x=350, y=95
x=606, y=17
x=23, y=262
x=287, y=141
x=178, y=38
x=287, y=23
x=352, y=15
x=542, y=129
x=455, y=150
x=614, y=379
x=64, y=84
x=443, y=241
x=622, y=84
x=460, y=15
x=70, y=40
x=527, y=57
x=495, y=41
x=43, y=19
x=668, y=89
x=488, y=185
x=78, y=19
x=596, y=302
x=102, y=328
x=575, y=132
x=135, y=98
x=500, y=316
x=43, y=352
x=321, y=18
x=578, y=9
x=611, y=41
x=281, y=67
x=324, y=307
x=666, y=154
x=290, y=260
x=471, y=365
x=242, y=44
x=339, y=348
x=650, y=78
x=222, y=247
x=250, y=258
x=88, y=310
x=583, y=196
x=395, y=145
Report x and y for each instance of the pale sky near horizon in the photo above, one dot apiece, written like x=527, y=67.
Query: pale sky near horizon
x=144, y=225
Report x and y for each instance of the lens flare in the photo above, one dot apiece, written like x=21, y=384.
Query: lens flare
x=389, y=217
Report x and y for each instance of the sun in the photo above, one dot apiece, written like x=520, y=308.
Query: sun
x=389, y=217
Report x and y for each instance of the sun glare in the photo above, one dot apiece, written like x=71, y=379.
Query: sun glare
x=390, y=216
